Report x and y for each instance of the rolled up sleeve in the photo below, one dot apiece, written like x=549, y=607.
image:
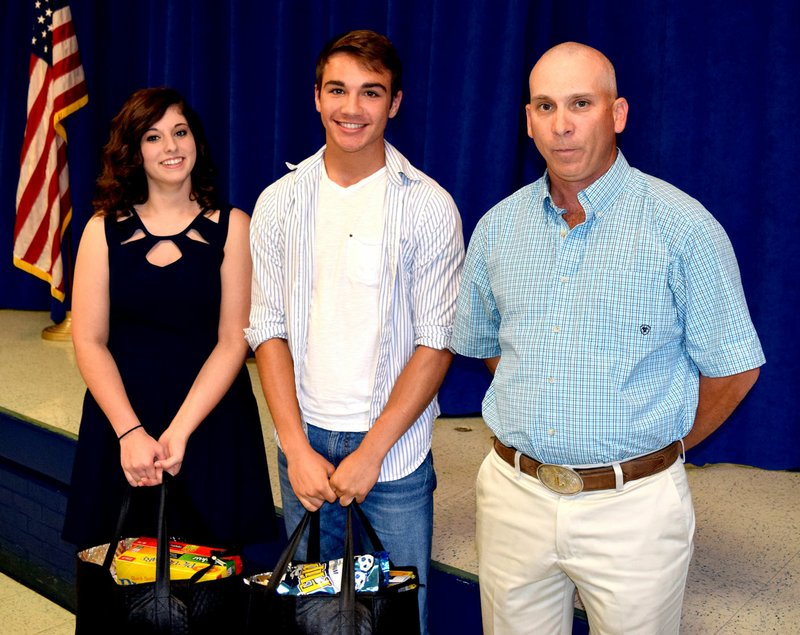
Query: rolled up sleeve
x=267, y=311
x=437, y=272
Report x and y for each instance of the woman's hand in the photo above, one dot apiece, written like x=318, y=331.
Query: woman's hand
x=139, y=454
x=174, y=445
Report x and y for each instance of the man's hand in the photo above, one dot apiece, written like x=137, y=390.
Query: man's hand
x=308, y=473
x=355, y=476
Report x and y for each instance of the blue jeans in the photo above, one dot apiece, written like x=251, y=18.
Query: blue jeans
x=401, y=511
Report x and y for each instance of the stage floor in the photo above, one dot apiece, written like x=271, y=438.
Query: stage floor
x=744, y=576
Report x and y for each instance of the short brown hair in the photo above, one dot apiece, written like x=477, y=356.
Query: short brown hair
x=372, y=49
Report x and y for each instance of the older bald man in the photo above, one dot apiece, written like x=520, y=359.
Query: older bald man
x=609, y=308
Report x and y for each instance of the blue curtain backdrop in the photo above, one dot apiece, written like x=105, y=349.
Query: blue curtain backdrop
x=713, y=95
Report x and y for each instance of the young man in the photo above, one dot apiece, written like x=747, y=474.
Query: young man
x=357, y=259
x=609, y=307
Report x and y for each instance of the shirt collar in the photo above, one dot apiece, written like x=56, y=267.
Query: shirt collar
x=397, y=166
x=598, y=198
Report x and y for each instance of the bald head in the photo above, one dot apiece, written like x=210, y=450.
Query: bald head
x=574, y=53
x=574, y=115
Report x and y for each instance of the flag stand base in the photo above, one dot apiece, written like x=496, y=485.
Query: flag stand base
x=61, y=332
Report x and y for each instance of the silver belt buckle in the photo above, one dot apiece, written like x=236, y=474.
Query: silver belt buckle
x=559, y=479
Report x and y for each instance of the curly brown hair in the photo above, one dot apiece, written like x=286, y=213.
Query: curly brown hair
x=122, y=182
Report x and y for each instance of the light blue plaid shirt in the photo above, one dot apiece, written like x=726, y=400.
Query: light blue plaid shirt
x=423, y=252
x=602, y=329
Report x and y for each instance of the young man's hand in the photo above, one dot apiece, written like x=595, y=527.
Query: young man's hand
x=355, y=477
x=309, y=473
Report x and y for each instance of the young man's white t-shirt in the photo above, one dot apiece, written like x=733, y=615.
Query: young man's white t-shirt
x=344, y=325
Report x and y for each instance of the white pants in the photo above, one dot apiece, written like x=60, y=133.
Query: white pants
x=627, y=553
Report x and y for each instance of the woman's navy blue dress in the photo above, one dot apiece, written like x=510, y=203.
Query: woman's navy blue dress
x=163, y=326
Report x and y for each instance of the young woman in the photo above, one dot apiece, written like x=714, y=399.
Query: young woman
x=160, y=300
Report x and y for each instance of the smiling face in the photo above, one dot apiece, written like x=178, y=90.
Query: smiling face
x=355, y=103
x=168, y=150
x=574, y=114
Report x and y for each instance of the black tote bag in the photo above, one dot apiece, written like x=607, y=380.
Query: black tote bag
x=389, y=610
x=164, y=607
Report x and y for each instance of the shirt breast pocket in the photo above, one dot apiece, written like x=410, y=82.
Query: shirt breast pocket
x=363, y=261
x=630, y=311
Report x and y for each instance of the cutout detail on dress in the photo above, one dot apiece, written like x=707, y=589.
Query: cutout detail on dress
x=193, y=234
x=138, y=234
x=164, y=253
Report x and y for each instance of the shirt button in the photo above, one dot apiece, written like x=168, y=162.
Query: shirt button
x=563, y=233
x=556, y=329
x=551, y=432
x=551, y=380
x=563, y=279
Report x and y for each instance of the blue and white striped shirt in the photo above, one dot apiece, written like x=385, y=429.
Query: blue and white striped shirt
x=423, y=252
x=601, y=329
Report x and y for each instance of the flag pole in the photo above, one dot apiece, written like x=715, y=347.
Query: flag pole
x=56, y=89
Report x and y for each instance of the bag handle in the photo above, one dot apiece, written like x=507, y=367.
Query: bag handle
x=313, y=542
x=162, y=538
x=347, y=597
x=289, y=551
x=162, y=542
x=162, y=546
x=312, y=546
x=124, y=509
x=377, y=545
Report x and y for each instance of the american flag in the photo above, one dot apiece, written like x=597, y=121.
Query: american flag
x=56, y=89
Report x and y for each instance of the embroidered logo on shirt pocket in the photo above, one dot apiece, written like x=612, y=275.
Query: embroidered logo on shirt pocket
x=618, y=302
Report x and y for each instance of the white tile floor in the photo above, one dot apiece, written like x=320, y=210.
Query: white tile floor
x=745, y=573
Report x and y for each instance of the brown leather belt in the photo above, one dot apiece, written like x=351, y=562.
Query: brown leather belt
x=565, y=480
